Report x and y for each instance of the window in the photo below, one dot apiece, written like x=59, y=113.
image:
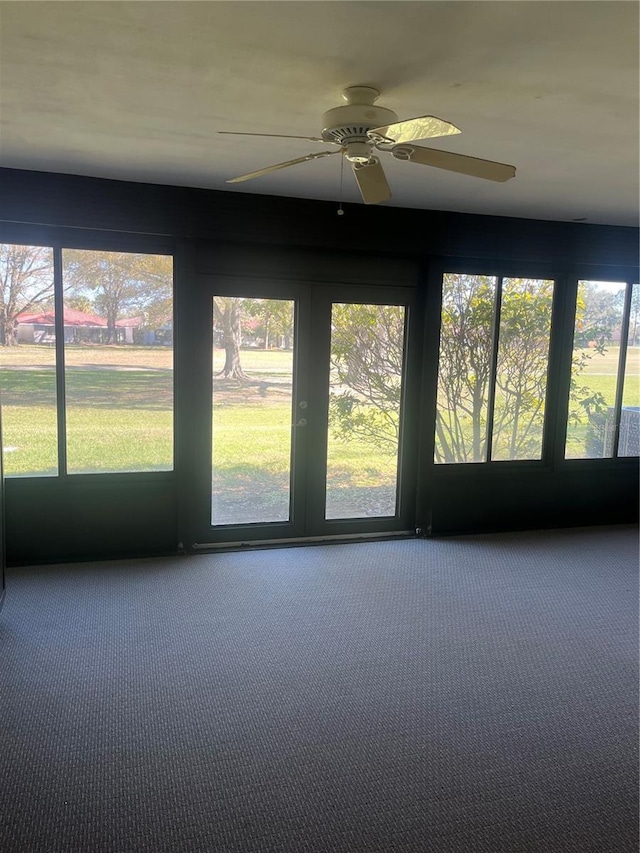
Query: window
x=493, y=364
x=87, y=388
x=28, y=361
x=604, y=391
x=521, y=372
x=118, y=351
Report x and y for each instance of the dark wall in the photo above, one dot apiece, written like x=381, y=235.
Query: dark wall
x=87, y=517
x=530, y=499
x=92, y=203
x=274, y=238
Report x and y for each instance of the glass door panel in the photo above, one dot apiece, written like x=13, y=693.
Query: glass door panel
x=252, y=410
x=365, y=401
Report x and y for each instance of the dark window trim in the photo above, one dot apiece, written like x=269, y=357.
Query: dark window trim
x=501, y=270
x=80, y=481
x=566, y=277
x=622, y=366
x=58, y=239
x=627, y=276
x=493, y=370
x=603, y=272
x=81, y=238
x=61, y=408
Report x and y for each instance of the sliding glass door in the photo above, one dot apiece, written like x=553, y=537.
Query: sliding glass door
x=305, y=427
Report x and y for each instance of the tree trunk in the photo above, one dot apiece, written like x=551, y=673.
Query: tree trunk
x=231, y=339
x=8, y=327
x=513, y=445
x=447, y=451
x=112, y=334
x=479, y=434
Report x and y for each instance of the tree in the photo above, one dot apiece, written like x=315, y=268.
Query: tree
x=120, y=284
x=599, y=314
x=26, y=283
x=367, y=350
x=275, y=317
x=367, y=365
x=464, y=367
x=466, y=358
x=227, y=315
x=521, y=375
x=272, y=317
x=79, y=303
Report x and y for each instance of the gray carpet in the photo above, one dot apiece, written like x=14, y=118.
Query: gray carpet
x=469, y=695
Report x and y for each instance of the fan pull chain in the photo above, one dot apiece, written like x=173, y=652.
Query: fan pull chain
x=340, y=211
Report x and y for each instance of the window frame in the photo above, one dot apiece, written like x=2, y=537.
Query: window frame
x=624, y=275
x=58, y=239
x=500, y=270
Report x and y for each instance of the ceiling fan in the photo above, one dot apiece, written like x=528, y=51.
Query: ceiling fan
x=361, y=129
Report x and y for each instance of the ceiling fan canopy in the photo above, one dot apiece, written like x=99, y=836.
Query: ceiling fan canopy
x=360, y=128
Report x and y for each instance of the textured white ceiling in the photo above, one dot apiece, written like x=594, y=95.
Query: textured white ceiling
x=137, y=91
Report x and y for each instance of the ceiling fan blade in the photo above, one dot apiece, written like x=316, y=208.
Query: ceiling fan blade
x=473, y=166
x=275, y=168
x=371, y=181
x=421, y=127
x=278, y=136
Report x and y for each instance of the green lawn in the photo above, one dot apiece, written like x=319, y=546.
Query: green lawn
x=252, y=450
x=119, y=416
x=600, y=377
x=601, y=373
x=119, y=409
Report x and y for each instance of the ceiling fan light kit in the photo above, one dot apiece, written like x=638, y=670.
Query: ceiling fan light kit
x=360, y=128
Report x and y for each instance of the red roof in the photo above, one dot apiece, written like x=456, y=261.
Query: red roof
x=130, y=323
x=76, y=318
x=36, y=318
x=71, y=318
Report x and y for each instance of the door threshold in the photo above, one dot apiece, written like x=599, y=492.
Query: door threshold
x=296, y=541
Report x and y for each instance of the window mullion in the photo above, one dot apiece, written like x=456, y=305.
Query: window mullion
x=560, y=365
x=622, y=361
x=58, y=299
x=491, y=397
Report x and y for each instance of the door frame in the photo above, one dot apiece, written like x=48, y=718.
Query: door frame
x=323, y=296
x=312, y=302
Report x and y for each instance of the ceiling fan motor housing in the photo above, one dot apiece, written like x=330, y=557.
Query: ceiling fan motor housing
x=348, y=126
